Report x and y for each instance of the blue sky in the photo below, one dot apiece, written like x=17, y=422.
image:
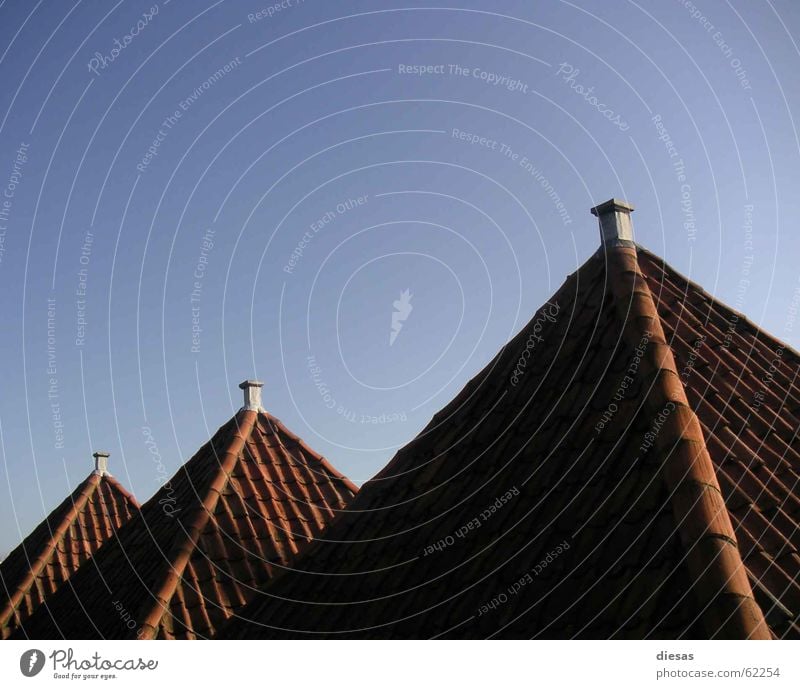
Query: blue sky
x=195, y=193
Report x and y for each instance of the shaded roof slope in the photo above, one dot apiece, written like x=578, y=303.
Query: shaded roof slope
x=236, y=513
x=626, y=467
x=59, y=545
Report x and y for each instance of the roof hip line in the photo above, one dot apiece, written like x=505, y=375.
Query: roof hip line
x=729, y=609
x=182, y=550
x=42, y=559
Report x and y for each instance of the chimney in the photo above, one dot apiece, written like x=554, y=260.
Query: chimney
x=252, y=394
x=616, y=228
x=101, y=463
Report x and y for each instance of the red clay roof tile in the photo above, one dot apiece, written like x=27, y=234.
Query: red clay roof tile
x=231, y=518
x=59, y=545
x=678, y=525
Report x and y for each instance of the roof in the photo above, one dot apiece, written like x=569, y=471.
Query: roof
x=627, y=466
x=236, y=513
x=55, y=549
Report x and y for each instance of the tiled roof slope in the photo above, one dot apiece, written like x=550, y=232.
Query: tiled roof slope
x=626, y=467
x=236, y=513
x=55, y=549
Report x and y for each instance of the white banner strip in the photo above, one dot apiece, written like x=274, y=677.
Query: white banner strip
x=385, y=665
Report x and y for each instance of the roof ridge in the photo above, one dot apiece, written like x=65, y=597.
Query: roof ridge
x=729, y=609
x=85, y=491
x=181, y=550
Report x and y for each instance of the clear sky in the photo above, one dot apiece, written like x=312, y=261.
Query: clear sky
x=357, y=202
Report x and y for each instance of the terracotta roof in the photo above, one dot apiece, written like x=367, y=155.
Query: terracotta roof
x=236, y=513
x=626, y=467
x=55, y=549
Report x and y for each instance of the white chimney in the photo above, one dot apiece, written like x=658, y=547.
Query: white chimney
x=101, y=463
x=616, y=228
x=252, y=394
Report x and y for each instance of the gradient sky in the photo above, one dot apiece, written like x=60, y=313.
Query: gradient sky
x=305, y=175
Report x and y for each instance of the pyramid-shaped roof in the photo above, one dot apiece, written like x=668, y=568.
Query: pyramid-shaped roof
x=626, y=467
x=235, y=514
x=71, y=534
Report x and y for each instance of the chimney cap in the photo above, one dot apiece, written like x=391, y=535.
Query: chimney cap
x=251, y=384
x=616, y=228
x=101, y=462
x=612, y=205
x=252, y=394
